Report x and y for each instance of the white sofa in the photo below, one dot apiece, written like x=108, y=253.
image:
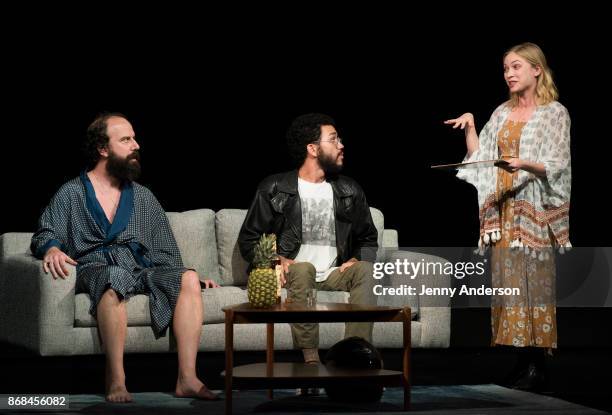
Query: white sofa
x=45, y=316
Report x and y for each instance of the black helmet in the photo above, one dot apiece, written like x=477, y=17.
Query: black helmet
x=354, y=353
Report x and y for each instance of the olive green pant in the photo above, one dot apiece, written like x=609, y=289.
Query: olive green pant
x=357, y=280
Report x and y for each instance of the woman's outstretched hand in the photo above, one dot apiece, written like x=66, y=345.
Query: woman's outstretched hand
x=462, y=121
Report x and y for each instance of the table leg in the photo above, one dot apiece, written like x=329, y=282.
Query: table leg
x=229, y=359
x=270, y=355
x=406, y=358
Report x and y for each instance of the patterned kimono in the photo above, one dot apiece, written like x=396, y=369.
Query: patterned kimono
x=523, y=217
x=136, y=254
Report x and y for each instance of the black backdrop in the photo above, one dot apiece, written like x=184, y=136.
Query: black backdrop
x=211, y=92
x=210, y=108
x=210, y=116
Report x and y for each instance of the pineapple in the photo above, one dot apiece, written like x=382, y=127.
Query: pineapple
x=263, y=282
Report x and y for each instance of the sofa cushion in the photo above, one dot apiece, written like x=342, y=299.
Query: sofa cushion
x=394, y=280
x=194, y=232
x=214, y=299
x=232, y=267
x=379, y=223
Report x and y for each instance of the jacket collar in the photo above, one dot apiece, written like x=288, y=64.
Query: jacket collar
x=289, y=184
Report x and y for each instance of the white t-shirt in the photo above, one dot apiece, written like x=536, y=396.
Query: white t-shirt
x=318, y=227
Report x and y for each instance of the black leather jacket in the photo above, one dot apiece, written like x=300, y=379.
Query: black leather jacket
x=277, y=209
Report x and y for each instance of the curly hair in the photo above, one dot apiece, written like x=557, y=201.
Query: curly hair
x=304, y=130
x=97, y=138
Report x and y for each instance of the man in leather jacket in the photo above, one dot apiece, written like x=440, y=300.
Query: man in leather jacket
x=325, y=235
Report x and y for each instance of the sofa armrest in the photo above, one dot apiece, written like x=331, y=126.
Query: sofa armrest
x=37, y=311
x=13, y=243
x=434, y=312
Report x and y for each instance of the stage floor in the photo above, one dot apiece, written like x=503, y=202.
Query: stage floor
x=430, y=400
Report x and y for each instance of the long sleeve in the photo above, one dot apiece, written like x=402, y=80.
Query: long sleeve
x=259, y=214
x=555, y=155
x=53, y=225
x=487, y=150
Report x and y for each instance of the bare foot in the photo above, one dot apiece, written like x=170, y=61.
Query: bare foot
x=117, y=393
x=194, y=388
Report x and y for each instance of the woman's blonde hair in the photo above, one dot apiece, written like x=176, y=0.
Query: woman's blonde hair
x=546, y=90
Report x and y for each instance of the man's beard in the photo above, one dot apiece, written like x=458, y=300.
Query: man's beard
x=124, y=169
x=328, y=164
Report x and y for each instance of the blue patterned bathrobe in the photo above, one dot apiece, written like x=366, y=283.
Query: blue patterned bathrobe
x=136, y=254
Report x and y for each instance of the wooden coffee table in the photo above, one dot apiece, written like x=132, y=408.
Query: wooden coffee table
x=293, y=375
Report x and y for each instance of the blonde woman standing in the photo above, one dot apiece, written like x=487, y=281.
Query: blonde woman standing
x=523, y=206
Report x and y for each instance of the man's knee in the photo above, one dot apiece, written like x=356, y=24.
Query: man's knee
x=364, y=271
x=111, y=302
x=303, y=271
x=111, y=296
x=190, y=282
x=364, y=267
